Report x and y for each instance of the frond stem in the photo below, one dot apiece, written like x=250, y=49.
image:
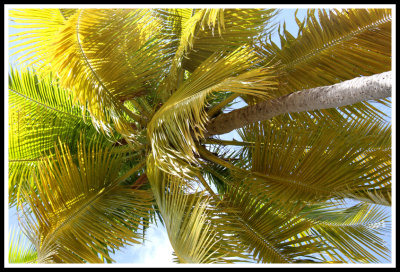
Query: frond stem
x=43, y=105
x=208, y=188
x=127, y=111
x=209, y=156
x=227, y=142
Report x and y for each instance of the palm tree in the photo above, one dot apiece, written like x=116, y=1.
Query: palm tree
x=115, y=124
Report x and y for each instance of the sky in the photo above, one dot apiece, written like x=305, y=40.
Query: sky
x=157, y=251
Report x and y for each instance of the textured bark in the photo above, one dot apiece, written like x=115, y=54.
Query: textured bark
x=348, y=92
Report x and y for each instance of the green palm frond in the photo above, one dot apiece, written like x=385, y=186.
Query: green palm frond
x=354, y=232
x=20, y=249
x=217, y=174
x=80, y=212
x=40, y=110
x=40, y=113
x=181, y=120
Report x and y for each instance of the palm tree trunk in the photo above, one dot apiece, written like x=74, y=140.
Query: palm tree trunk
x=348, y=92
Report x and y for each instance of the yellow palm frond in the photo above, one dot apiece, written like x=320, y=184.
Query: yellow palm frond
x=226, y=29
x=381, y=195
x=128, y=95
x=110, y=61
x=180, y=121
x=208, y=31
x=268, y=233
x=66, y=13
x=291, y=163
x=186, y=37
x=355, y=232
x=320, y=161
x=340, y=234
x=187, y=219
x=43, y=24
x=332, y=47
x=78, y=211
x=113, y=56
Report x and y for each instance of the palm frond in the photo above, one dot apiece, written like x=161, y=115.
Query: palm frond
x=226, y=29
x=40, y=113
x=156, y=77
x=355, y=232
x=320, y=160
x=39, y=110
x=66, y=13
x=268, y=233
x=297, y=162
x=197, y=38
x=105, y=51
x=186, y=216
x=181, y=120
x=80, y=212
x=332, y=47
x=327, y=45
x=379, y=196
x=113, y=57
x=35, y=43
x=184, y=36
x=20, y=249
